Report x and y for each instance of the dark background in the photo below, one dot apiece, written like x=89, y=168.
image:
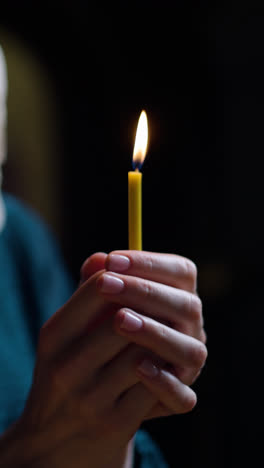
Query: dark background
x=196, y=67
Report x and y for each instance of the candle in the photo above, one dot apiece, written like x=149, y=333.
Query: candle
x=135, y=185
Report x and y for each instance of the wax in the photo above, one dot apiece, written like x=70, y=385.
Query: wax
x=135, y=210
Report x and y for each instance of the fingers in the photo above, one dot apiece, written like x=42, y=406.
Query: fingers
x=133, y=406
x=92, y=264
x=172, y=346
x=120, y=374
x=83, y=311
x=79, y=366
x=174, y=395
x=158, y=411
x=173, y=270
x=86, y=306
x=203, y=336
x=154, y=299
x=139, y=402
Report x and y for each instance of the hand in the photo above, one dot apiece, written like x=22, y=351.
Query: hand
x=88, y=398
x=169, y=295
x=84, y=407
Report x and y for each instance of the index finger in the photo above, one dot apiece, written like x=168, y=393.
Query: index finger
x=172, y=270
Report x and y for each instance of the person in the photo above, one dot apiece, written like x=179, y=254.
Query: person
x=82, y=368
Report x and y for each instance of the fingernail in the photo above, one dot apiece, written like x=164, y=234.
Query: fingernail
x=111, y=284
x=130, y=322
x=118, y=263
x=148, y=369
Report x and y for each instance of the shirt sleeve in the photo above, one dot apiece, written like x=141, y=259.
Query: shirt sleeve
x=45, y=279
x=147, y=453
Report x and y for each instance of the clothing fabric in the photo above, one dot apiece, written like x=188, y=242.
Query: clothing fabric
x=33, y=285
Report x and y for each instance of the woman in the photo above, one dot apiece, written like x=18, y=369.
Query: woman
x=76, y=385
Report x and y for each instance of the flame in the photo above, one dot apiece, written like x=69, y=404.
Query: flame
x=141, y=141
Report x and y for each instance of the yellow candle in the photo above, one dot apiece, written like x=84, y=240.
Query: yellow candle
x=135, y=210
x=135, y=185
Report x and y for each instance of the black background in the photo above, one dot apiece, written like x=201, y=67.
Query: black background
x=196, y=67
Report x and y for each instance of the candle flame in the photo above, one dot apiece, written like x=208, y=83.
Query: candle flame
x=141, y=141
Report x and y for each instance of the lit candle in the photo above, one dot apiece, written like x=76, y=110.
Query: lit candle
x=135, y=185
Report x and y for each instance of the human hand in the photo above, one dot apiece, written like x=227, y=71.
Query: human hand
x=87, y=399
x=169, y=295
x=79, y=412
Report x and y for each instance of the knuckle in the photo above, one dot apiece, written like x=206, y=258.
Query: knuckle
x=191, y=271
x=203, y=336
x=195, y=308
x=86, y=264
x=188, y=401
x=162, y=333
x=148, y=262
x=147, y=288
x=198, y=354
x=144, y=261
x=182, y=399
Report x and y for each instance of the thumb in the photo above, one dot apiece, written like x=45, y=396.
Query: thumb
x=92, y=264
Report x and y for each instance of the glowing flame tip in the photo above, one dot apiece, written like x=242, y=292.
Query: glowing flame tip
x=141, y=141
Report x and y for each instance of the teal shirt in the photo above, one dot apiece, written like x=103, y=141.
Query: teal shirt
x=33, y=285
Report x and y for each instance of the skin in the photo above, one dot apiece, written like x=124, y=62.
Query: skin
x=89, y=396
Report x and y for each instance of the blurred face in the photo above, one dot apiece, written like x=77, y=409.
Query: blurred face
x=3, y=92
